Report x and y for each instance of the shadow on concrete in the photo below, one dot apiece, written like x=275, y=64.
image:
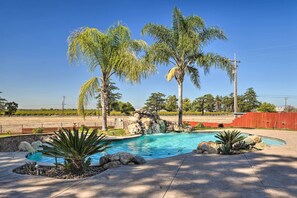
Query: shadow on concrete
x=251, y=175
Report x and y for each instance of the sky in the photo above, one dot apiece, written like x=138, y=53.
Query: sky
x=35, y=71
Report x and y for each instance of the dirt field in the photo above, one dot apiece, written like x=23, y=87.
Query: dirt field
x=15, y=124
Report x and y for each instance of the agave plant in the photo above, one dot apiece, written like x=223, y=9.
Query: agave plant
x=229, y=138
x=75, y=146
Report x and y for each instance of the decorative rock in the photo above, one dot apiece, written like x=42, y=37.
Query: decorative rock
x=113, y=164
x=255, y=138
x=126, y=158
x=26, y=146
x=144, y=122
x=137, y=115
x=208, y=147
x=134, y=128
x=260, y=146
x=248, y=141
x=104, y=160
x=139, y=160
x=133, y=120
x=115, y=157
x=252, y=140
x=37, y=145
x=121, y=158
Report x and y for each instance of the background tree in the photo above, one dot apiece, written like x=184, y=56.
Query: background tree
x=204, y=103
x=114, y=53
x=11, y=108
x=171, y=103
x=126, y=107
x=209, y=103
x=228, y=103
x=187, y=104
x=2, y=103
x=218, y=103
x=182, y=46
x=266, y=107
x=250, y=101
x=113, y=97
x=290, y=108
x=155, y=102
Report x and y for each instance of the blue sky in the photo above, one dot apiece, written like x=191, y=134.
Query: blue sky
x=35, y=71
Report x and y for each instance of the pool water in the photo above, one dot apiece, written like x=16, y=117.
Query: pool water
x=156, y=145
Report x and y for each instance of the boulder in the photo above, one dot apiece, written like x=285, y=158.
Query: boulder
x=208, y=147
x=125, y=157
x=26, y=146
x=114, y=157
x=104, y=160
x=133, y=120
x=139, y=160
x=260, y=146
x=248, y=141
x=170, y=126
x=134, y=129
x=121, y=158
x=137, y=115
x=146, y=122
x=113, y=164
x=255, y=138
x=37, y=145
x=252, y=140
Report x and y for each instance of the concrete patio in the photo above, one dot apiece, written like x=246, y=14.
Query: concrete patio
x=269, y=173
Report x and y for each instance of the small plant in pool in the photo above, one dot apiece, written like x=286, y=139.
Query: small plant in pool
x=75, y=146
x=227, y=139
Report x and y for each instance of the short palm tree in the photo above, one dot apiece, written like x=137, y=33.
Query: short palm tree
x=114, y=53
x=182, y=47
x=75, y=146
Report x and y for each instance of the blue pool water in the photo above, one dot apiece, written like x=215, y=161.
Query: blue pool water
x=156, y=146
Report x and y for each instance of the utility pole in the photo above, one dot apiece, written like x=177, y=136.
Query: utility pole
x=235, y=82
x=286, y=99
x=63, y=105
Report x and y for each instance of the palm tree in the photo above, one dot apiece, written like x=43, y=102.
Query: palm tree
x=182, y=47
x=114, y=53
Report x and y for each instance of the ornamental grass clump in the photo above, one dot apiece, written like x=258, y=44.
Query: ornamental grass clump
x=227, y=139
x=75, y=146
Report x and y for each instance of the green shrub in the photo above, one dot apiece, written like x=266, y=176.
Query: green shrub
x=75, y=146
x=227, y=139
x=38, y=130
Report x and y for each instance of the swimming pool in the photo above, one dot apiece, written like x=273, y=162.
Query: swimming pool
x=155, y=146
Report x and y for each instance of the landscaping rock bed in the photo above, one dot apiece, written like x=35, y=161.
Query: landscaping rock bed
x=250, y=143
x=55, y=172
x=11, y=143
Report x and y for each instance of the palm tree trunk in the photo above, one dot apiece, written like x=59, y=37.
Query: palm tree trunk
x=104, y=103
x=180, y=104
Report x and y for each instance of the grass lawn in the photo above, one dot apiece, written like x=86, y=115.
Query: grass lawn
x=4, y=135
x=114, y=132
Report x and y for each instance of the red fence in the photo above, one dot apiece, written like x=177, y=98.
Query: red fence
x=267, y=120
x=261, y=120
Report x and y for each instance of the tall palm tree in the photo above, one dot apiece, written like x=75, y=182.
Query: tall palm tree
x=114, y=53
x=182, y=47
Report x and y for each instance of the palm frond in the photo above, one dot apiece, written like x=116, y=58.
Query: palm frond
x=172, y=73
x=210, y=59
x=194, y=75
x=87, y=91
x=210, y=34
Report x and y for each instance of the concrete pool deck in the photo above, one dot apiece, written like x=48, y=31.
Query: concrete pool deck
x=268, y=173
